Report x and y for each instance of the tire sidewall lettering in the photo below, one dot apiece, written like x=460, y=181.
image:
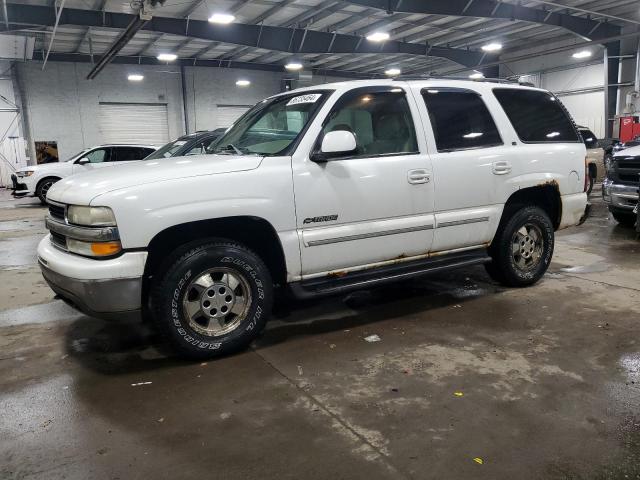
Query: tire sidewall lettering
x=179, y=324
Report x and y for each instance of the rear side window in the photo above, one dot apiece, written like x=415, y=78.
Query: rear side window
x=537, y=116
x=590, y=140
x=460, y=119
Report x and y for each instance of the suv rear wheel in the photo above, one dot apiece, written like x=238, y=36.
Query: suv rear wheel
x=522, y=248
x=213, y=299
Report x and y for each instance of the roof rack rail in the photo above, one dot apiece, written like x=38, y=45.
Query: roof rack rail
x=444, y=77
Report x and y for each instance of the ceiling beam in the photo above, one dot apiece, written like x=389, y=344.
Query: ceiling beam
x=186, y=62
x=584, y=27
x=291, y=40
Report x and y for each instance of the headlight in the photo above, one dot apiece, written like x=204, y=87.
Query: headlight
x=24, y=173
x=91, y=216
x=93, y=249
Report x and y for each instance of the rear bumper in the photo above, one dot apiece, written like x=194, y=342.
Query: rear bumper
x=574, y=209
x=109, y=289
x=618, y=196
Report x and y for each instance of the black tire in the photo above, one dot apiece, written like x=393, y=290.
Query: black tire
x=43, y=187
x=175, y=286
x=531, y=260
x=625, y=219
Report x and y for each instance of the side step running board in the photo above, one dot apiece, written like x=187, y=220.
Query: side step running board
x=373, y=277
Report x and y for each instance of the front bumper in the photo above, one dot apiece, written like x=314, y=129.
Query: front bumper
x=109, y=289
x=18, y=187
x=615, y=195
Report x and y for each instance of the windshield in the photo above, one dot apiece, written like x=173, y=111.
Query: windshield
x=272, y=126
x=169, y=150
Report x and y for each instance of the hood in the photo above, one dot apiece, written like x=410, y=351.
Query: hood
x=43, y=167
x=82, y=188
x=628, y=152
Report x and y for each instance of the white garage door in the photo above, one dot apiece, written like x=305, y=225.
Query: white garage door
x=227, y=114
x=142, y=123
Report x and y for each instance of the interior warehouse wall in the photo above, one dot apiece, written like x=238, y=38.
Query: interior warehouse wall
x=209, y=88
x=64, y=106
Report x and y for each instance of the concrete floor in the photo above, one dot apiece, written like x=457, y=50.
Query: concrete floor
x=469, y=380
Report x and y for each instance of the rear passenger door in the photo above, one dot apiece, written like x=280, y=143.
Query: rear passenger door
x=372, y=205
x=470, y=157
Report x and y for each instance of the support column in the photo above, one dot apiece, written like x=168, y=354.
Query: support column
x=611, y=81
x=19, y=91
x=184, y=99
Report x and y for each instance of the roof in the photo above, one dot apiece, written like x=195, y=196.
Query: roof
x=427, y=81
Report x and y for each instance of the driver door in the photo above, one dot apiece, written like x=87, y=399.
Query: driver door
x=98, y=158
x=373, y=205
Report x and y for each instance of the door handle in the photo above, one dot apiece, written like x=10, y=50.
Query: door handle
x=418, y=176
x=501, y=168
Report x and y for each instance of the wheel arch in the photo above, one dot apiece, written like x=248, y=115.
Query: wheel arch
x=48, y=177
x=255, y=233
x=545, y=196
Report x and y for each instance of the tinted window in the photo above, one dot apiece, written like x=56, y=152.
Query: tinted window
x=98, y=156
x=537, y=116
x=380, y=121
x=460, y=119
x=125, y=154
x=589, y=139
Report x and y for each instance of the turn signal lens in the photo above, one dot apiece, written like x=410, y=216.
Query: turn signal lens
x=93, y=249
x=102, y=249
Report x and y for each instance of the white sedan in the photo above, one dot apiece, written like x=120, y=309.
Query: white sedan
x=36, y=180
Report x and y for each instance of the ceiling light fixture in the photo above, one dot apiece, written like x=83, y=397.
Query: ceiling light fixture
x=492, y=47
x=222, y=18
x=293, y=66
x=243, y=83
x=393, y=72
x=582, y=54
x=135, y=77
x=167, y=57
x=378, y=36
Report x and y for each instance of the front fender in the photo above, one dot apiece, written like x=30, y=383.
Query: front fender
x=143, y=211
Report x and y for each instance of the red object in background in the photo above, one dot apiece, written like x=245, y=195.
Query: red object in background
x=629, y=128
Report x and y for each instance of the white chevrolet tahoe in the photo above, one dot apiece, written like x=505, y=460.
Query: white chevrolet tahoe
x=322, y=190
x=36, y=180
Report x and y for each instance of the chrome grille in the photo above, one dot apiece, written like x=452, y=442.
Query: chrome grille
x=57, y=211
x=626, y=170
x=58, y=240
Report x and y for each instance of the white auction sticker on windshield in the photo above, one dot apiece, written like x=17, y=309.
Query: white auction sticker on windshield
x=309, y=98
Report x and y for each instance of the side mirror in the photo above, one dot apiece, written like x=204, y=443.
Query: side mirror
x=83, y=161
x=334, y=144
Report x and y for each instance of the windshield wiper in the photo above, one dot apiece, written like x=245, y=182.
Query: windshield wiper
x=229, y=147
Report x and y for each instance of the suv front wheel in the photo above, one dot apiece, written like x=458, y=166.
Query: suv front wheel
x=213, y=299
x=522, y=248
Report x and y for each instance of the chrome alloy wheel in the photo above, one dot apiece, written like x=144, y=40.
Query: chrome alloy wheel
x=45, y=187
x=527, y=246
x=216, y=302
